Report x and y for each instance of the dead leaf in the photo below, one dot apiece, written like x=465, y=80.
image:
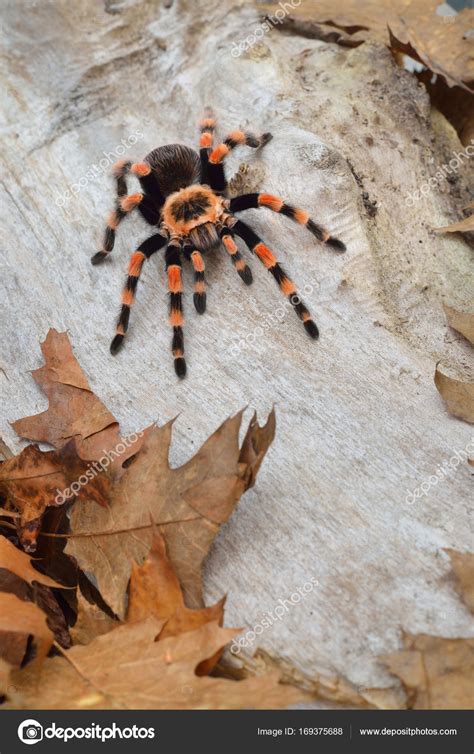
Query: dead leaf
x=463, y=567
x=5, y=670
x=17, y=616
x=436, y=673
x=154, y=590
x=13, y=644
x=463, y=226
x=441, y=43
x=19, y=563
x=5, y=451
x=74, y=411
x=128, y=669
x=189, y=503
x=91, y=622
x=36, y=479
x=459, y=396
x=255, y=445
x=463, y=322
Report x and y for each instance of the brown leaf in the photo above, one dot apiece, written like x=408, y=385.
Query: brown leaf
x=5, y=670
x=19, y=563
x=255, y=445
x=441, y=43
x=36, y=479
x=13, y=644
x=91, y=622
x=459, y=396
x=154, y=590
x=436, y=673
x=74, y=410
x=463, y=226
x=128, y=669
x=17, y=616
x=463, y=322
x=188, y=503
x=463, y=567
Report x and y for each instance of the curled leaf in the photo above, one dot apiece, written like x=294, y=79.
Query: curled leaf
x=463, y=322
x=459, y=396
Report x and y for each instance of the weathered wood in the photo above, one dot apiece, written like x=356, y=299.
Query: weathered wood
x=360, y=423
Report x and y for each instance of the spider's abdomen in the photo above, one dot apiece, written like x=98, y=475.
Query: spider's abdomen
x=175, y=167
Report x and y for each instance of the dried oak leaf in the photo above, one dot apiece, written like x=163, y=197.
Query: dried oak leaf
x=463, y=226
x=189, y=503
x=127, y=668
x=414, y=27
x=463, y=566
x=435, y=672
x=5, y=671
x=34, y=479
x=19, y=577
x=463, y=322
x=18, y=616
x=19, y=563
x=155, y=590
x=459, y=396
x=74, y=410
x=13, y=644
x=91, y=622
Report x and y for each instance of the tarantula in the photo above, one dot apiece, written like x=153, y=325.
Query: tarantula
x=184, y=194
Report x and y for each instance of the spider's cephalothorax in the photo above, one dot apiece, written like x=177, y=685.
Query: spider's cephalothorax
x=184, y=194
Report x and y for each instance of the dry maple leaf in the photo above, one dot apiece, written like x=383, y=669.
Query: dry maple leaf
x=463, y=567
x=155, y=590
x=463, y=322
x=463, y=226
x=74, y=410
x=190, y=503
x=18, y=616
x=413, y=27
x=36, y=479
x=128, y=669
x=459, y=396
x=436, y=673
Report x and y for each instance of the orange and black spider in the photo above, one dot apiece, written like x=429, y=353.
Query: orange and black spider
x=184, y=196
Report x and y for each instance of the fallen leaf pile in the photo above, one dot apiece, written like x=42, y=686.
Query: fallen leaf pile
x=110, y=614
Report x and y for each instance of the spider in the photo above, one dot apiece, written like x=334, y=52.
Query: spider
x=185, y=196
